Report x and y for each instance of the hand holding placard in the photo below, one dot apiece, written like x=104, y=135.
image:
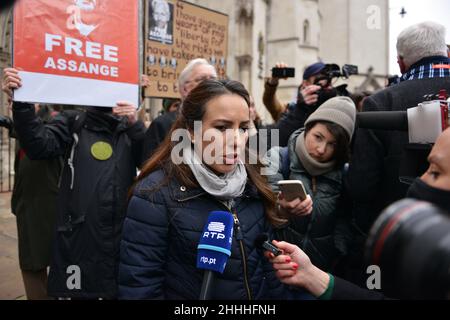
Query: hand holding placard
x=126, y=109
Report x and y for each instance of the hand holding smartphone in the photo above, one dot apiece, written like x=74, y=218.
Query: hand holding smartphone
x=292, y=189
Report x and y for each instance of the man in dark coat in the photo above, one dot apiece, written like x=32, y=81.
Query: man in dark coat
x=373, y=177
x=101, y=149
x=33, y=202
x=159, y=128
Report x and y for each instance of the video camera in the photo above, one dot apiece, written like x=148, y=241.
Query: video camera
x=332, y=71
x=410, y=243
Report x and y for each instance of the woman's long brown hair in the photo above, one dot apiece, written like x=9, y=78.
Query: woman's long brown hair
x=193, y=109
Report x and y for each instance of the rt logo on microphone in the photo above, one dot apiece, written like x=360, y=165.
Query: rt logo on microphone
x=215, y=230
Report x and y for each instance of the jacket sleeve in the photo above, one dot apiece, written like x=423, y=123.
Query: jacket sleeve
x=154, y=135
x=365, y=169
x=136, y=133
x=363, y=180
x=39, y=140
x=143, y=249
x=343, y=235
x=344, y=290
x=288, y=123
x=270, y=100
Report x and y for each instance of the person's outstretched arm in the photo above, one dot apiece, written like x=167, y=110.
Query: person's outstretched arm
x=39, y=140
x=294, y=268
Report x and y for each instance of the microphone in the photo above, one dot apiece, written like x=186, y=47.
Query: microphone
x=383, y=120
x=262, y=242
x=214, y=248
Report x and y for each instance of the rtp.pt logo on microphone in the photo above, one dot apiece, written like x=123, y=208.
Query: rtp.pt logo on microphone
x=214, y=247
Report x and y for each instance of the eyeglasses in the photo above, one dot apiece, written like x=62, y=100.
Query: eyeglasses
x=202, y=78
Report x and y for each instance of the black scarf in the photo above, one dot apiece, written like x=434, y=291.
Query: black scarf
x=422, y=191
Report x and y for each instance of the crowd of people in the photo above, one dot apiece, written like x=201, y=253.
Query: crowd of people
x=135, y=236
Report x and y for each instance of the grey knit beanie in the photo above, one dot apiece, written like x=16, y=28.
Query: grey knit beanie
x=338, y=110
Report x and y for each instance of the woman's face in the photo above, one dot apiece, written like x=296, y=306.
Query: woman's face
x=320, y=143
x=438, y=173
x=225, y=133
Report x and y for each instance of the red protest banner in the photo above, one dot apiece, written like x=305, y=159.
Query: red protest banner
x=82, y=52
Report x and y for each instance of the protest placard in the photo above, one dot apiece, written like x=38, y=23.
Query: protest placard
x=79, y=52
x=176, y=32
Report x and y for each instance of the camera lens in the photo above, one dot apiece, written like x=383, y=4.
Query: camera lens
x=410, y=242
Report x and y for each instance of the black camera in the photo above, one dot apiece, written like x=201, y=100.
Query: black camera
x=326, y=76
x=410, y=242
x=332, y=70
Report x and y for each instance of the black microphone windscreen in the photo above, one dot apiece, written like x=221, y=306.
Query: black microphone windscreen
x=260, y=239
x=383, y=120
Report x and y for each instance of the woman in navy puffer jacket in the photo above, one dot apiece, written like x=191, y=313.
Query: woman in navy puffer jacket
x=174, y=195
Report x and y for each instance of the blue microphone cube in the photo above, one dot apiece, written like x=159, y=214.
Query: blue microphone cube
x=214, y=247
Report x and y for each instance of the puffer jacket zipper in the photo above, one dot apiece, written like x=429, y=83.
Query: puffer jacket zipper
x=240, y=238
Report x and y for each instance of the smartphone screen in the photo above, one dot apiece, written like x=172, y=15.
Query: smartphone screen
x=292, y=189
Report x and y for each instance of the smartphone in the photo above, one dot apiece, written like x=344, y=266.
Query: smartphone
x=283, y=72
x=292, y=189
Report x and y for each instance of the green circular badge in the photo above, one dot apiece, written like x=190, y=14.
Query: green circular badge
x=101, y=150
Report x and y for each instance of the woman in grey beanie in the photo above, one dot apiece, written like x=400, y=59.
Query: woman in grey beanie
x=316, y=155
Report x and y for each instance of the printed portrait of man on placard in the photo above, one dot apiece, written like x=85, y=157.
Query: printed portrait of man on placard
x=160, y=21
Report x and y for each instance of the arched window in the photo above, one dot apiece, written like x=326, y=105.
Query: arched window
x=306, y=35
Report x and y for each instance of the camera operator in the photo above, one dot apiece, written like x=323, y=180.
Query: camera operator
x=295, y=268
x=307, y=92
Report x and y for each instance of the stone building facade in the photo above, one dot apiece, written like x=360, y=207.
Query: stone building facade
x=298, y=32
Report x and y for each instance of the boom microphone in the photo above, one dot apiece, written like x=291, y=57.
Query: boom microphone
x=214, y=248
x=383, y=120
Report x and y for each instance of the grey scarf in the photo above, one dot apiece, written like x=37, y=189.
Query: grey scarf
x=312, y=166
x=225, y=187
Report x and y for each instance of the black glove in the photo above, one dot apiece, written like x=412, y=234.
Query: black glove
x=6, y=122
